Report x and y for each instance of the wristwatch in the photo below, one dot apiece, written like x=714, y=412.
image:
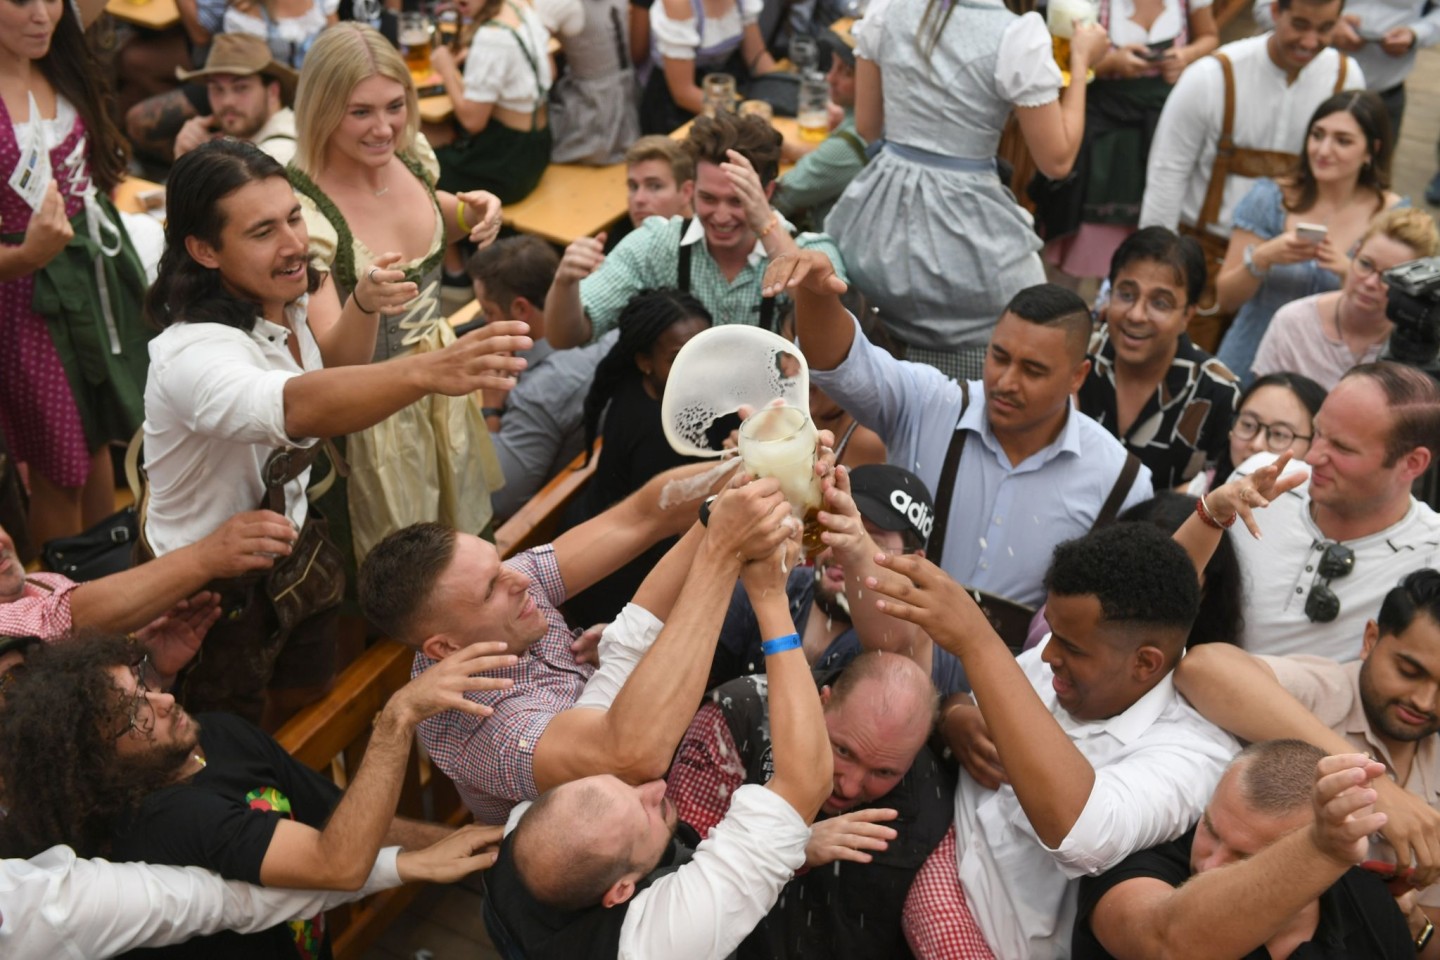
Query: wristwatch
x=705, y=509
x=1250, y=265
x=1424, y=939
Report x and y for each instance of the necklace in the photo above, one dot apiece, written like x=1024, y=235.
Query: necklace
x=381, y=192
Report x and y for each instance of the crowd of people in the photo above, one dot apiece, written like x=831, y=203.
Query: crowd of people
x=1154, y=671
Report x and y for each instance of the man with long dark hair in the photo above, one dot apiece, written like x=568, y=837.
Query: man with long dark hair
x=239, y=373
x=136, y=777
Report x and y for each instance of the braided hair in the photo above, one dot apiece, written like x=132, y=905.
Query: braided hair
x=648, y=314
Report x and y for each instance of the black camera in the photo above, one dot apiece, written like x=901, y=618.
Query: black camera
x=1415, y=310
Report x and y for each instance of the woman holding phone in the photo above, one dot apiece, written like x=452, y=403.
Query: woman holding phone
x=1292, y=237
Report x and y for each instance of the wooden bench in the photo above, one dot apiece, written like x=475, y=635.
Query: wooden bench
x=331, y=736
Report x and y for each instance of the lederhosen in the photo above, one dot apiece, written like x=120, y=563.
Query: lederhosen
x=1010, y=618
x=1210, y=323
x=290, y=609
x=682, y=278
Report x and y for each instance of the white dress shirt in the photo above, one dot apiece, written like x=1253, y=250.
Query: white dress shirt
x=1270, y=114
x=1281, y=569
x=214, y=412
x=1155, y=765
x=1378, y=17
x=56, y=905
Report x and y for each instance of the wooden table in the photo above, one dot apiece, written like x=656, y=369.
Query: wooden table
x=150, y=14
x=127, y=194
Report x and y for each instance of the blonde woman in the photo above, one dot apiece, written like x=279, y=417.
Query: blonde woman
x=359, y=160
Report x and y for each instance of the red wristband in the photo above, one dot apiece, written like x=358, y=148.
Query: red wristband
x=1202, y=510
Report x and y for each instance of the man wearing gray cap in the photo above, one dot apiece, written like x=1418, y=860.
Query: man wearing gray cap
x=248, y=94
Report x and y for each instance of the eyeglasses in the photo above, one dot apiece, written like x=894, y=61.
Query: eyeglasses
x=142, y=714
x=1322, y=606
x=1363, y=267
x=1278, y=437
x=1158, y=309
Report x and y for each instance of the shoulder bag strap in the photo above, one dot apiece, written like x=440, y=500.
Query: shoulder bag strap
x=1224, y=150
x=935, y=547
x=1123, y=483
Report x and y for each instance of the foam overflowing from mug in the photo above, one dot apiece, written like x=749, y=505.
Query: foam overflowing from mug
x=687, y=489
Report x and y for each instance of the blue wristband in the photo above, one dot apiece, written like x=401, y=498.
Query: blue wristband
x=780, y=644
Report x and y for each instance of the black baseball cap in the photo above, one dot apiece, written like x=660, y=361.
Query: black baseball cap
x=840, y=41
x=893, y=498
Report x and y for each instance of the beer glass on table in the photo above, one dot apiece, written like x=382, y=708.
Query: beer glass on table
x=812, y=114
x=718, y=93
x=779, y=442
x=416, y=33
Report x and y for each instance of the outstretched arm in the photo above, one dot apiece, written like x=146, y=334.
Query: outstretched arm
x=1237, y=908
x=822, y=323
x=340, y=856
x=1051, y=777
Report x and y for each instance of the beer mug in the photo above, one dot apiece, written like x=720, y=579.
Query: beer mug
x=812, y=113
x=719, y=94
x=1061, y=18
x=415, y=35
x=779, y=442
x=757, y=108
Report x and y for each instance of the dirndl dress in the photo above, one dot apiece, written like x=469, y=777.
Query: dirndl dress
x=593, y=113
x=928, y=231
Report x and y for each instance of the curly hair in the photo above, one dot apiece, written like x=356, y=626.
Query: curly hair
x=64, y=781
x=1138, y=574
x=711, y=137
x=649, y=314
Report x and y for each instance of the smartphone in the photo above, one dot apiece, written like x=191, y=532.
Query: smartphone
x=1156, y=51
x=1399, y=881
x=1311, y=232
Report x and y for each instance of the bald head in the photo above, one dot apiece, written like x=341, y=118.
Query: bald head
x=878, y=716
x=894, y=688
x=563, y=854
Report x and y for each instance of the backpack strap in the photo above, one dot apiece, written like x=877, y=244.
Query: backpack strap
x=935, y=547
x=1123, y=483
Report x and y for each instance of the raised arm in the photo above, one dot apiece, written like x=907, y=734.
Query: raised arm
x=1051, y=777
x=1054, y=131
x=340, y=856
x=1235, y=909
x=566, y=323
x=822, y=324
x=804, y=763
x=665, y=506
x=636, y=738
x=1228, y=502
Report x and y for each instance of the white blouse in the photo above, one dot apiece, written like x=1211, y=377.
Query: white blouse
x=497, y=71
x=1167, y=26
x=679, y=39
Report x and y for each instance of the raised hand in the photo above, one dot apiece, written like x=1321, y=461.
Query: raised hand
x=848, y=837
x=1344, y=804
x=482, y=359
x=844, y=532
x=173, y=637
x=1087, y=47
x=1253, y=492
x=196, y=132
x=443, y=686
x=582, y=258
x=379, y=288
x=750, y=519
x=1412, y=828
x=913, y=589
x=808, y=270
x=746, y=182
x=482, y=212
x=473, y=847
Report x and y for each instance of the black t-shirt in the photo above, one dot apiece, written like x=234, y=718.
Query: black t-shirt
x=1358, y=918
x=223, y=819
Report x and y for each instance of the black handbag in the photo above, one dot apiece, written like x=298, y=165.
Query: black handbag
x=98, y=552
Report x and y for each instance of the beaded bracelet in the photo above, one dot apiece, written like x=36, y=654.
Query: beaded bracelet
x=1203, y=510
x=780, y=644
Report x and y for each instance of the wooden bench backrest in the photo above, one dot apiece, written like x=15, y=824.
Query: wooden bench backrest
x=331, y=735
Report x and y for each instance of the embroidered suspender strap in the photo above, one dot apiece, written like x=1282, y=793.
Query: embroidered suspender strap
x=618, y=32
x=682, y=265
x=1123, y=483
x=935, y=547
x=285, y=465
x=1340, y=74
